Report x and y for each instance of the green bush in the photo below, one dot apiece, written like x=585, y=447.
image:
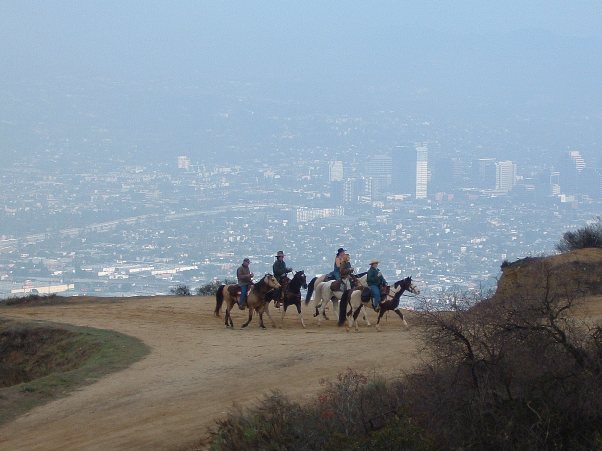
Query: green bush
x=180, y=290
x=588, y=236
x=353, y=412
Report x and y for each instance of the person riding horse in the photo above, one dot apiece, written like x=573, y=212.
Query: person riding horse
x=280, y=271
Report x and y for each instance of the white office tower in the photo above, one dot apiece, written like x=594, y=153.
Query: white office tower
x=335, y=171
x=421, y=171
x=505, y=176
x=183, y=162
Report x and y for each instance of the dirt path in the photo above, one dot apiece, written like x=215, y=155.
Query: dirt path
x=196, y=370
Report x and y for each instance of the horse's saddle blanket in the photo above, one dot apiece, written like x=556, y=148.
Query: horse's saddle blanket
x=366, y=294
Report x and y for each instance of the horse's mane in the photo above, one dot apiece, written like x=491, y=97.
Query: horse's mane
x=296, y=281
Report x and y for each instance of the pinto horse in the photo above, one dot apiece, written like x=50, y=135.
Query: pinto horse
x=390, y=302
x=292, y=295
x=229, y=293
x=257, y=299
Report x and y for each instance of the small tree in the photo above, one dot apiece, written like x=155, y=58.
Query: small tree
x=588, y=236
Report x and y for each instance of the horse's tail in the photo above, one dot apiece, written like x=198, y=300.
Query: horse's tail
x=343, y=306
x=219, y=299
x=310, y=290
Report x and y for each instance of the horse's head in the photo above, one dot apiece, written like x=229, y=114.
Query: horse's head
x=406, y=284
x=271, y=281
x=301, y=278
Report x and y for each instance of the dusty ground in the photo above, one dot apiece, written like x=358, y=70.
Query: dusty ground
x=195, y=371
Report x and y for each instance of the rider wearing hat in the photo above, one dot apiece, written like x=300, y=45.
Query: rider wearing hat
x=375, y=279
x=244, y=277
x=280, y=271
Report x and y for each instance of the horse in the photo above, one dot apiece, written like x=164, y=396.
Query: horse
x=332, y=291
x=231, y=294
x=312, y=285
x=257, y=299
x=292, y=295
x=390, y=301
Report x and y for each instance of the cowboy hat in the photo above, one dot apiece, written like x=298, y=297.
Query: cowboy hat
x=340, y=249
x=279, y=254
x=374, y=261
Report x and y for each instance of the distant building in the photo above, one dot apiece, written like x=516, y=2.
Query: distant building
x=505, y=176
x=335, y=171
x=183, y=162
x=570, y=168
x=379, y=169
x=421, y=171
x=485, y=173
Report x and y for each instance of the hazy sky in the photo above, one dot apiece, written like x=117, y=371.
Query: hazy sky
x=438, y=57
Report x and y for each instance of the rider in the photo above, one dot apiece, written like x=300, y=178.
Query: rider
x=280, y=271
x=338, y=259
x=375, y=279
x=245, y=278
x=346, y=269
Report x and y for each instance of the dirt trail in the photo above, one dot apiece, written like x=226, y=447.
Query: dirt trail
x=195, y=371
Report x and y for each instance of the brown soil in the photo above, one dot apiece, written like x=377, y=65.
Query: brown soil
x=196, y=370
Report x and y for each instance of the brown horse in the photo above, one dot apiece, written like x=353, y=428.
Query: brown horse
x=230, y=294
x=258, y=301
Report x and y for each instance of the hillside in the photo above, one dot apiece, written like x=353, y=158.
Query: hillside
x=577, y=273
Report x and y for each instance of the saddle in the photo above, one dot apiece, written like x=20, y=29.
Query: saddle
x=337, y=285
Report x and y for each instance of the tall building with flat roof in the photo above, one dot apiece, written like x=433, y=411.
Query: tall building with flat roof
x=379, y=169
x=421, y=171
x=505, y=175
x=335, y=171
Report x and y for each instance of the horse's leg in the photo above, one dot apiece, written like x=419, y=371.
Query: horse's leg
x=283, y=309
x=335, y=308
x=365, y=314
x=261, y=319
x=267, y=310
x=226, y=315
x=405, y=323
x=380, y=315
x=356, y=314
x=298, y=305
x=250, y=316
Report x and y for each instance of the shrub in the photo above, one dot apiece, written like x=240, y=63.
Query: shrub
x=209, y=289
x=512, y=373
x=180, y=290
x=588, y=236
x=353, y=412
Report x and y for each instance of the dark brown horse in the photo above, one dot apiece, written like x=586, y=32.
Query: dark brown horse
x=230, y=294
x=291, y=296
x=257, y=299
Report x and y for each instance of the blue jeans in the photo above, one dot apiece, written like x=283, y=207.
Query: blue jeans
x=375, y=289
x=243, y=294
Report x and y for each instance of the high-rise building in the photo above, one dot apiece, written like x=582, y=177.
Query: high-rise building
x=570, y=169
x=505, y=176
x=183, y=162
x=421, y=171
x=485, y=173
x=379, y=169
x=403, y=176
x=335, y=171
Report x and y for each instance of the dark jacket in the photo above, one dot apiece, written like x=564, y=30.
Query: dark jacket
x=374, y=277
x=279, y=268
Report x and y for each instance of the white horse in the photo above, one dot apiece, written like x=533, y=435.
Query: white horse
x=390, y=302
x=329, y=291
x=324, y=293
